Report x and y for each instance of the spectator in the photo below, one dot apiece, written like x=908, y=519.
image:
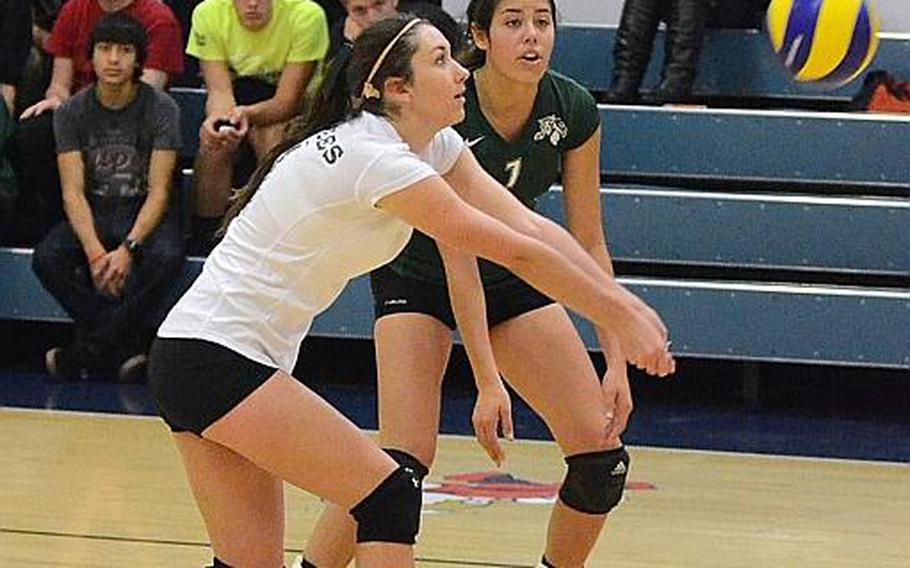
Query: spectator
x=44, y=15
x=334, y=11
x=257, y=95
x=15, y=39
x=40, y=62
x=364, y=13
x=115, y=259
x=360, y=14
x=40, y=207
x=634, y=41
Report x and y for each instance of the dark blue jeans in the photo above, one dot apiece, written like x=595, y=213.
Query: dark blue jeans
x=109, y=330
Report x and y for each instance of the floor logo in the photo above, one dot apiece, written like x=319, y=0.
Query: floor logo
x=488, y=487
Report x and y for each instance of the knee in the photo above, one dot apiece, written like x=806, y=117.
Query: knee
x=595, y=481
x=422, y=453
x=170, y=260
x=222, y=155
x=585, y=433
x=391, y=513
x=46, y=259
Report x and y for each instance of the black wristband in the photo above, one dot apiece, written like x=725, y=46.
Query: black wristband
x=132, y=246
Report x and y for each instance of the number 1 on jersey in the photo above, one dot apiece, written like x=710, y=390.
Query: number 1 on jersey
x=514, y=169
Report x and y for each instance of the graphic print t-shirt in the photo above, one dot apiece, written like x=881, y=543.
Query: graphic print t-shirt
x=116, y=145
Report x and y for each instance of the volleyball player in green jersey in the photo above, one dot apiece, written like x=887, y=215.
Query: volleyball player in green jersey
x=525, y=124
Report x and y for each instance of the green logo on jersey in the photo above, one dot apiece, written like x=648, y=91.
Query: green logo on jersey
x=551, y=127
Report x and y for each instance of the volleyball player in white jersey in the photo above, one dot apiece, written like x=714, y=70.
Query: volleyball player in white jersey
x=335, y=201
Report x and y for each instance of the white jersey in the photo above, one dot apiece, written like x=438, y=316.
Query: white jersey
x=310, y=228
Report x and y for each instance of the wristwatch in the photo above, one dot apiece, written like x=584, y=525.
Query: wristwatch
x=133, y=246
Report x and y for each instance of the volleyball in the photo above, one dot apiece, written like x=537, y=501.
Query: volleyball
x=824, y=42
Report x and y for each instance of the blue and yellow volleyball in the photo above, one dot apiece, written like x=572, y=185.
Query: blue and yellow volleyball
x=825, y=42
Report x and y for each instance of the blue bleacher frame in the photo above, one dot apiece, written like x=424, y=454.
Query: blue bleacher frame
x=738, y=230
x=769, y=146
x=779, y=322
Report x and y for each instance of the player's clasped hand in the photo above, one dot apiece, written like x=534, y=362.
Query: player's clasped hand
x=492, y=413
x=645, y=340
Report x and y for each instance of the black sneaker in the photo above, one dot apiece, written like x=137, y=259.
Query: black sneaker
x=61, y=365
x=133, y=369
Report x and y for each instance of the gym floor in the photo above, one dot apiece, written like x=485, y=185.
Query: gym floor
x=90, y=478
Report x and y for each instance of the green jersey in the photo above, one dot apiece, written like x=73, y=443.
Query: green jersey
x=563, y=118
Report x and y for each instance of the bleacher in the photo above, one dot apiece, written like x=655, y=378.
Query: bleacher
x=734, y=65
x=758, y=235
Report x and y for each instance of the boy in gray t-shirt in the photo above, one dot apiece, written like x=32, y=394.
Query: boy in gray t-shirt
x=113, y=261
x=117, y=144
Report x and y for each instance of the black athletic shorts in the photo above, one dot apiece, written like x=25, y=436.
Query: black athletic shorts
x=196, y=382
x=397, y=294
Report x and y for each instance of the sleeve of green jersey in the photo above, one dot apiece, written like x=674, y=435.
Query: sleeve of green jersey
x=584, y=118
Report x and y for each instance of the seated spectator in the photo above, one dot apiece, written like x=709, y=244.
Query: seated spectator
x=360, y=14
x=334, y=11
x=40, y=63
x=44, y=15
x=638, y=24
x=15, y=40
x=40, y=207
x=364, y=13
x=250, y=99
x=113, y=262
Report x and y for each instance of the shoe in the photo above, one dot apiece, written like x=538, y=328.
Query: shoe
x=133, y=369
x=60, y=364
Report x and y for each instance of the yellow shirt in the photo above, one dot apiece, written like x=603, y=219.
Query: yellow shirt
x=296, y=33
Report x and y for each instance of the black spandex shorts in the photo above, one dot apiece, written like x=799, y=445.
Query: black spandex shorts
x=397, y=294
x=196, y=382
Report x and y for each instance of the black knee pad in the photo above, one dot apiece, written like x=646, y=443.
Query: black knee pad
x=391, y=513
x=595, y=481
x=407, y=460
